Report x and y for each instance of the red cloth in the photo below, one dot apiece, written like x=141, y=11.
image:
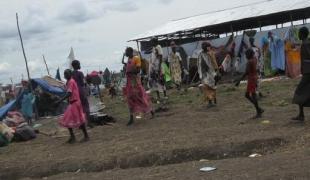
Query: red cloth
x=137, y=99
x=74, y=116
x=94, y=74
x=252, y=75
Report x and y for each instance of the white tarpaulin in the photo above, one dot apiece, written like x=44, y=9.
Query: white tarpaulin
x=219, y=17
x=71, y=58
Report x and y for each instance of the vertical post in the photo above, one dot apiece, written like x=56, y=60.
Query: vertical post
x=21, y=41
x=291, y=20
x=138, y=46
x=48, y=71
x=139, y=52
x=26, y=62
x=167, y=44
x=12, y=81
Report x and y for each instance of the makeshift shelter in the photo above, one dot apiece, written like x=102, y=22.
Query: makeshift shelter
x=107, y=77
x=48, y=85
x=58, y=77
x=93, y=78
x=70, y=58
x=191, y=31
x=49, y=91
x=212, y=24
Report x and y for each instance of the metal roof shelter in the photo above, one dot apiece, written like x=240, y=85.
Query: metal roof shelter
x=212, y=24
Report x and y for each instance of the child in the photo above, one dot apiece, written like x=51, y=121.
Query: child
x=27, y=103
x=74, y=116
x=251, y=73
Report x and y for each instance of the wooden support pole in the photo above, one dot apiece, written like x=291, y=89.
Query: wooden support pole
x=260, y=26
x=26, y=62
x=231, y=28
x=291, y=16
x=48, y=71
x=167, y=44
x=12, y=81
x=21, y=41
x=138, y=47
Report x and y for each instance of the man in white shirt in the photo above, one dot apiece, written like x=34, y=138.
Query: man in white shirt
x=156, y=81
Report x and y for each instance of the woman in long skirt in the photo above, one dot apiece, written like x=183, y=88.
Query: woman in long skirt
x=207, y=69
x=137, y=99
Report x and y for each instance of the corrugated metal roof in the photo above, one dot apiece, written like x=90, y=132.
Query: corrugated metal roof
x=225, y=16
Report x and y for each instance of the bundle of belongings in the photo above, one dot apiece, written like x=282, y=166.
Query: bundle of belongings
x=15, y=128
x=100, y=119
x=97, y=115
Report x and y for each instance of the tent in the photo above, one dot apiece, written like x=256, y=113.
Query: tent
x=47, y=87
x=6, y=108
x=47, y=84
x=252, y=15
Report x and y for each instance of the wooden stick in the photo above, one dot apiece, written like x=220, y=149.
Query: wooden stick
x=11, y=81
x=26, y=62
x=194, y=77
x=21, y=41
x=48, y=71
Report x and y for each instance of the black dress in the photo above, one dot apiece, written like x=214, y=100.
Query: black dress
x=302, y=93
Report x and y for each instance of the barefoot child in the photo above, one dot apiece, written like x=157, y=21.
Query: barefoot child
x=251, y=73
x=74, y=116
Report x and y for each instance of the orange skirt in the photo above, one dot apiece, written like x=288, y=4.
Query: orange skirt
x=209, y=93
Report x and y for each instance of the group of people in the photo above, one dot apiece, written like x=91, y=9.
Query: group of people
x=163, y=73
x=77, y=113
x=209, y=74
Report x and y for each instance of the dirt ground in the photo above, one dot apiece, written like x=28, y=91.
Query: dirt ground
x=177, y=143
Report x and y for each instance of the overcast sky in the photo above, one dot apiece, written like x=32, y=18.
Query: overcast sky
x=97, y=30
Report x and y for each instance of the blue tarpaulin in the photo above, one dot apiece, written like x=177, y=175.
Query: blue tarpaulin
x=48, y=88
x=35, y=83
x=6, y=108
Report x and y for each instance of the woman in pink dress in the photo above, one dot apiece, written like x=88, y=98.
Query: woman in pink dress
x=137, y=99
x=74, y=116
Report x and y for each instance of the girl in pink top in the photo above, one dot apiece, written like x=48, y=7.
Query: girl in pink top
x=74, y=117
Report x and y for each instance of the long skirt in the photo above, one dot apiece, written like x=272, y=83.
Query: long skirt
x=156, y=82
x=137, y=99
x=302, y=93
x=74, y=116
x=176, y=72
